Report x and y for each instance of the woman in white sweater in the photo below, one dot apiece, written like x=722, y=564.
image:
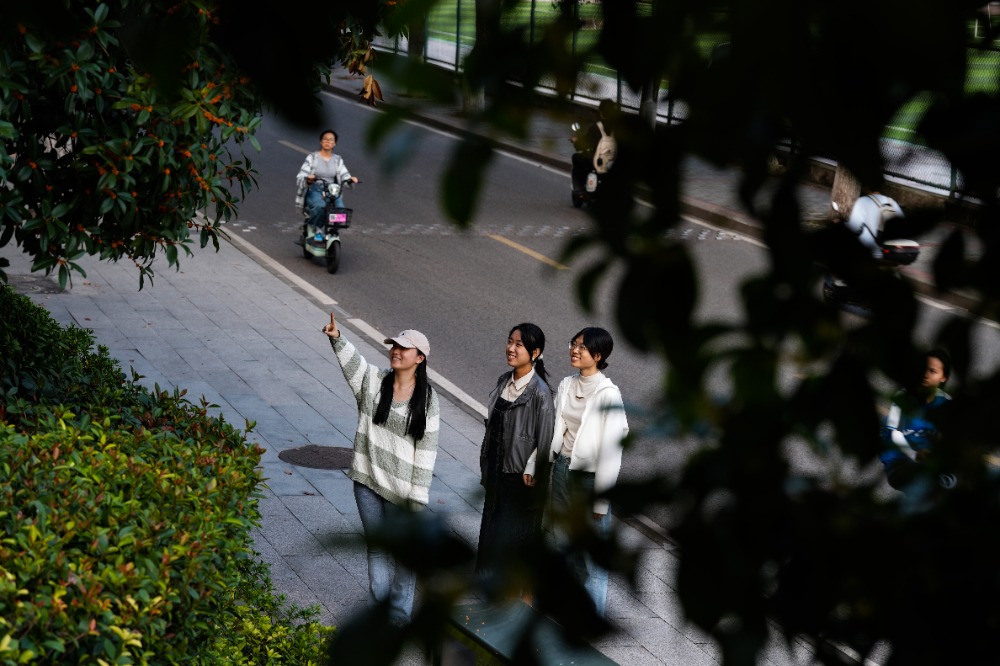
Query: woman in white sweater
x=326, y=165
x=395, y=448
x=586, y=452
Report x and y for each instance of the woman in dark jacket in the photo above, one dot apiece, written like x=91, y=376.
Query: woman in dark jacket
x=520, y=422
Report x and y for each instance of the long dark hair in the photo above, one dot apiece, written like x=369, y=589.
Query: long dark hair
x=597, y=341
x=532, y=338
x=416, y=414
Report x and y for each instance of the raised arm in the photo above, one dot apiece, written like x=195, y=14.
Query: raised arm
x=353, y=364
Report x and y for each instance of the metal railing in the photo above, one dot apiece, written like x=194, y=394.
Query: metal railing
x=450, y=36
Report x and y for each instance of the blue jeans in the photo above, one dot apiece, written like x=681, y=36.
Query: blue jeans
x=386, y=580
x=315, y=205
x=574, y=491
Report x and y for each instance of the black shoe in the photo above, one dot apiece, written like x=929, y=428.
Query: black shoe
x=298, y=240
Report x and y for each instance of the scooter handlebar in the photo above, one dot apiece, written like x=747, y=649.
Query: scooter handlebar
x=347, y=183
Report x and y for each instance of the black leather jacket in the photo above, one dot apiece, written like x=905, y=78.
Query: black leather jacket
x=527, y=424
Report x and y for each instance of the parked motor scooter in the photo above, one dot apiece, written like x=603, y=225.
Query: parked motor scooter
x=894, y=254
x=584, y=192
x=326, y=242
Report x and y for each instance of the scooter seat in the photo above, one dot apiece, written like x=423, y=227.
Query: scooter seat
x=900, y=252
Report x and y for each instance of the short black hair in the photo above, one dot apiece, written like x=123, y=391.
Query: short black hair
x=943, y=356
x=598, y=342
x=329, y=131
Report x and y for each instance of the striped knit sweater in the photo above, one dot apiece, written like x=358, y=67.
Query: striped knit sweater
x=386, y=459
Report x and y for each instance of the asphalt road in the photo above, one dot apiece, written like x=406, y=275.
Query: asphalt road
x=404, y=266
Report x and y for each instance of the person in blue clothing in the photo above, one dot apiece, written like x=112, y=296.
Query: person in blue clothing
x=325, y=165
x=912, y=427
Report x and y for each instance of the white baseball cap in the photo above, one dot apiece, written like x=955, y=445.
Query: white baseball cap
x=411, y=339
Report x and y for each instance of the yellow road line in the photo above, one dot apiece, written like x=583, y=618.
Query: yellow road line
x=528, y=251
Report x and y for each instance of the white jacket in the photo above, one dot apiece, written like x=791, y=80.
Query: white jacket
x=598, y=445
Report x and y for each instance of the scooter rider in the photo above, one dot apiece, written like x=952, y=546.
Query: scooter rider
x=323, y=165
x=867, y=222
x=586, y=142
x=868, y=215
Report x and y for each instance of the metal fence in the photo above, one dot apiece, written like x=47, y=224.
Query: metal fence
x=450, y=36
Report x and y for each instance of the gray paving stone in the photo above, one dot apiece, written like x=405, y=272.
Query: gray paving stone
x=272, y=506
x=328, y=580
x=291, y=538
x=315, y=513
x=334, y=486
x=281, y=434
x=350, y=552
x=466, y=526
x=664, y=641
x=283, y=479
x=445, y=501
x=297, y=593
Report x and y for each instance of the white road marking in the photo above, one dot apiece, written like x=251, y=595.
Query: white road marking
x=294, y=146
x=926, y=300
x=720, y=230
x=287, y=274
x=435, y=377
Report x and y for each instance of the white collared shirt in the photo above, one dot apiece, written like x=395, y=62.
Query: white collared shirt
x=515, y=387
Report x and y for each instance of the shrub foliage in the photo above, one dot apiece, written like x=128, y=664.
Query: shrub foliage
x=44, y=363
x=125, y=517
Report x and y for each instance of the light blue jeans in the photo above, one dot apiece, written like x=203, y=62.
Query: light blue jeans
x=574, y=491
x=316, y=206
x=386, y=580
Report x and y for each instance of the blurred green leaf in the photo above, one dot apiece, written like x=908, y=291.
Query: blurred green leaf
x=949, y=264
x=463, y=177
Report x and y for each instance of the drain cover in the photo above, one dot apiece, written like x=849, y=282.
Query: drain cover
x=318, y=457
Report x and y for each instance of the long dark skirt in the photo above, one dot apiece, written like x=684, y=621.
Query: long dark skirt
x=512, y=514
x=511, y=522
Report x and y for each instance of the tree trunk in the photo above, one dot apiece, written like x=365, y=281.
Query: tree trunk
x=417, y=42
x=488, y=14
x=473, y=101
x=648, y=102
x=846, y=190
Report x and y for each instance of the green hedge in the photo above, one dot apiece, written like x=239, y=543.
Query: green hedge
x=43, y=363
x=125, y=517
x=264, y=630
